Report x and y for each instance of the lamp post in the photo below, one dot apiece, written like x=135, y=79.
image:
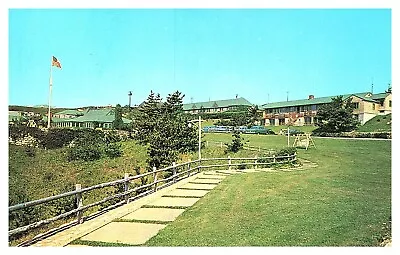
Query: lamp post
x=199, y=120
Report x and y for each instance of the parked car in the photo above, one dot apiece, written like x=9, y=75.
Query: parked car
x=284, y=131
x=259, y=130
x=208, y=129
x=241, y=129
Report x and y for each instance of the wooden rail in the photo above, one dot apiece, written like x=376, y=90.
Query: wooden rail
x=177, y=171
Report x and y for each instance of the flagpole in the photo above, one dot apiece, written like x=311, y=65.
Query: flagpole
x=50, y=87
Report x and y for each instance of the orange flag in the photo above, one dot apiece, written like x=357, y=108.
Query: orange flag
x=56, y=62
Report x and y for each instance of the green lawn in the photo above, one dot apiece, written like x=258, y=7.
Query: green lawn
x=342, y=202
x=377, y=123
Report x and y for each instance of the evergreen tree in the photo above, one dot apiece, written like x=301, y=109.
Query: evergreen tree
x=164, y=127
x=147, y=118
x=118, y=123
x=236, y=144
x=336, y=116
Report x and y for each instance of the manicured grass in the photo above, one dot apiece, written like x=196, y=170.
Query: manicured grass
x=342, y=202
x=377, y=123
x=306, y=129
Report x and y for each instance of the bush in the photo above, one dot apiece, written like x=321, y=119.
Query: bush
x=30, y=151
x=113, y=150
x=286, y=151
x=84, y=152
x=236, y=143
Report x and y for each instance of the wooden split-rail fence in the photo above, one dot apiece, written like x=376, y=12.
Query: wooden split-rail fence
x=177, y=172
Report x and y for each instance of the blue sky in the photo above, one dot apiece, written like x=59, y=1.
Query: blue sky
x=207, y=54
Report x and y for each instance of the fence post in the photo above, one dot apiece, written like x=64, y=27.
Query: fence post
x=229, y=162
x=189, y=170
x=155, y=178
x=221, y=144
x=126, y=186
x=206, y=143
x=174, y=172
x=274, y=159
x=259, y=148
x=79, y=203
x=198, y=170
x=255, y=162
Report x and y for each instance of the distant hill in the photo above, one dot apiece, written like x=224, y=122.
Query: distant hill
x=377, y=123
x=35, y=109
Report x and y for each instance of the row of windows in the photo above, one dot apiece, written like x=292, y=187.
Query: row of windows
x=302, y=108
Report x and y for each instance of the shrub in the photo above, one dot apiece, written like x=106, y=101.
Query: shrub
x=30, y=151
x=65, y=204
x=286, y=151
x=84, y=152
x=24, y=216
x=241, y=166
x=113, y=150
x=236, y=144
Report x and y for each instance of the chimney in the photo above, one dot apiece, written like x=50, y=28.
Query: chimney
x=310, y=97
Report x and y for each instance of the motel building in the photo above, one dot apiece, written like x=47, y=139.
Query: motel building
x=303, y=112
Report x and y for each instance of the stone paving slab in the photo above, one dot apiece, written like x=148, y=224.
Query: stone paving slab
x=63, y=238
x=174, y=201
x=125, y=232
x=198, y=186
x=214, y=181
x=187, y=192
x=158, y=214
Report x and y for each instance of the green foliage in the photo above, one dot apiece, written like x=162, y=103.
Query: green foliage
x=236, y=144
x=118, y=123
x=378, y=123
x=87, y=152
x=286, y=151
x=30, y=151
x=165, y=128
x=64, y=204
x=113, y=150
x=336, y=116
x=239, y=118
x=22, y=217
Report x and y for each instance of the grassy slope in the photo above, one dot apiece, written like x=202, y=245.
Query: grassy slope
x=343, y=202
x=377, y=123
x=49, y=171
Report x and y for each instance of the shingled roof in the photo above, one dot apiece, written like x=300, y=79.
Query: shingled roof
x=98, y=115
x=217, y=104
x=318, y=100
x=72, y=112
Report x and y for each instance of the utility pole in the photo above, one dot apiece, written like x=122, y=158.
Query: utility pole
x=372, y=85
x=130, y=95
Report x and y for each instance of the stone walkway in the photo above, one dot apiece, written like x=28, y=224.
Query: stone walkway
x=135, y=223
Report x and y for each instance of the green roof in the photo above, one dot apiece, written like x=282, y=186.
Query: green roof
x=317, y=100
x=217, y=103
x=98, y=115
x=380, y=96
x=71, y=112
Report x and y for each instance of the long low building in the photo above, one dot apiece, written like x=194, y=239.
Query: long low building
x=216, y=106
x=303, y=112
x=89, y=118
